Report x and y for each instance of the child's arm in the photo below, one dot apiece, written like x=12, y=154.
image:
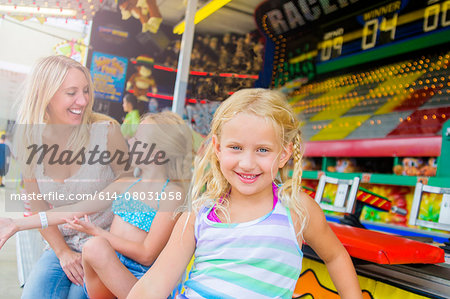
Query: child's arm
x=324, y=242
x=144, y=252
x=58, y=215
x=163, y=276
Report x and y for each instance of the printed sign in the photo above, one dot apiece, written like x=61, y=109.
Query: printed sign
x=108, y=73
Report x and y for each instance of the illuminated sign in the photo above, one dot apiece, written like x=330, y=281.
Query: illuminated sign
x=293, y=15
x=347, y=33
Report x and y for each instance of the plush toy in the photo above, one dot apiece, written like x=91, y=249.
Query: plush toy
x=398, y=169
x=142, y=80
x=413, y=166
x=171, y=54
x=344, y=165
x=410, y=166
x=430, y=168
x=146, y=11
x=308, y=164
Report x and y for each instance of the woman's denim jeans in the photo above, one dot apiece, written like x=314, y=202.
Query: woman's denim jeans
x=47, y=280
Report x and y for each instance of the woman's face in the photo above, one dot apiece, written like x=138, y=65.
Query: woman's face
x=69, y=103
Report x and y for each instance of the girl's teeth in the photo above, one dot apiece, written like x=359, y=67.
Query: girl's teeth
x=248, y=176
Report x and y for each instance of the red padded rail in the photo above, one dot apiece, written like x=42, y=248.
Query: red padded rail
x=425, y=146
x=383, y=248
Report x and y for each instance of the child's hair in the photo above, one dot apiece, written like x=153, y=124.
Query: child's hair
x=45, y=79
x=131, y=98
x=271, y=105
x=171, y=134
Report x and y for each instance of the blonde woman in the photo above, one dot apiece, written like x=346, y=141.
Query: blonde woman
x=246, y=229
x=55, y=113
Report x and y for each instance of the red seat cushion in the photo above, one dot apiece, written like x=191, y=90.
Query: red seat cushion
x=382, y=248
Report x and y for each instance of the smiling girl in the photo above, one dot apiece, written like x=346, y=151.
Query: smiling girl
x=246, y=229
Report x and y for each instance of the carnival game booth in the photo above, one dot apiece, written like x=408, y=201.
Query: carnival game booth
x=390, y=131
x=388, y=127
x=388, y=266
x=370, y=80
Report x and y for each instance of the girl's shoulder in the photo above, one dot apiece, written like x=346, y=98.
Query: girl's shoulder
x=309, y=208
x=189, y=219
x=99, y=118
x=200, y=213
x=174, y=187
x=100, y=124
x=122, y=184
x=205, y=208
x=309, y=204
x=172, y=197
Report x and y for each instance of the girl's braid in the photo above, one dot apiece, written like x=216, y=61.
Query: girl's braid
x=297, y=154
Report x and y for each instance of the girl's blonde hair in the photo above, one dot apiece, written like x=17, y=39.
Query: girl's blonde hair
x=45, y=79
x=171, y=134
x=271, y=105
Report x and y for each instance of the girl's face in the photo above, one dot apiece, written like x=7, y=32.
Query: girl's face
x=68, y=104
x=250, y=154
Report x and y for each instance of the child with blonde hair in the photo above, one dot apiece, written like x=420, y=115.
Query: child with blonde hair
x=144, y=208
x=246, y=228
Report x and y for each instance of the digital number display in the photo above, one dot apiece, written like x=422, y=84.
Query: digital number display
x=377, y=31
x=383, y=29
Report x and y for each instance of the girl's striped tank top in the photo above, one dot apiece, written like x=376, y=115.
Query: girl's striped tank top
x=256, y=259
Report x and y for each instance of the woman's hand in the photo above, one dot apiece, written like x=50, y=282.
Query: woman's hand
x=71, y=264
x=85, y=226
x=7, y=229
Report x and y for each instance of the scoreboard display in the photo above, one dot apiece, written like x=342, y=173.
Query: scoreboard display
x=316, y=37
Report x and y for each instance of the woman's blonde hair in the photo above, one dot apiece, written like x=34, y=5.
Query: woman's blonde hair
x=171, y=134
x=45, y=79
x=271, y=105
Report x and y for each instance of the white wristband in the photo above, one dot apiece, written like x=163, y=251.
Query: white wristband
x=44, y=221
